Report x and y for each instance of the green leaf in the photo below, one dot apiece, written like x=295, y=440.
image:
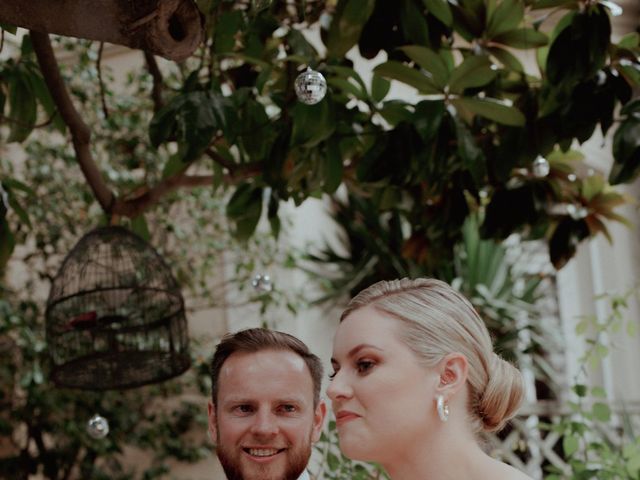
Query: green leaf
x=12, y=29
x=492, y=109
x=332, y=167
x=23, y=108
x=630, y=40
x=395, y=111
x=507, y=58
x=139, y=227
x=474, y=71
x=379, y=88
x=570, y=444
x=601, y=411
x=346, y=25
x=412, y=77
x=429, y=61
x=7, y=243
x=580, y=390
x=522, y=38
x=441, y=10
x=427, y=118
x=347, y=87
x=245, y=208
x=413, y=23
x=506, y=16
x=228, y=26
x=312, y=124
x=626, y=151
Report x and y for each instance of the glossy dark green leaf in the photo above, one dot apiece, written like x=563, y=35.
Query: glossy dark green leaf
x=40, y=90
x=427, y=118
x=395, y=111
x=227, y=28
x=379, y=87
x=441, y=10
x=347, y=87
x=413, y=23
x=346, y=25
x=272, y=214
x=23, y=108
x=626, y=151
x=312, y=124
x=522, y=38
x=507, y=58
x=505, y=17
x=492, y=109
x=244, y=209
x=579, y=47
x=332, y=167
x=7, y=243
x=429, y=61
x=474, y=71
x=412, y=77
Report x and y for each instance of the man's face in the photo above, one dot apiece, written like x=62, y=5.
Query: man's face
x=264, y=422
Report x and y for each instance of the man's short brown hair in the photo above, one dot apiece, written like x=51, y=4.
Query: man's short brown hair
x=253, y=340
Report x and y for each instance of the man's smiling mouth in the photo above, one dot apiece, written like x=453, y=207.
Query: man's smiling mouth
x=263, y=452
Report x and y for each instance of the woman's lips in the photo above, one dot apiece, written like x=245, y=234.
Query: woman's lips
x=345, y=416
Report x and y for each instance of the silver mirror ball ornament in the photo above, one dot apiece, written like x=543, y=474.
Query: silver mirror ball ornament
x=541, y=167
x=98, y=427
x=311, y=87
x=262, y=283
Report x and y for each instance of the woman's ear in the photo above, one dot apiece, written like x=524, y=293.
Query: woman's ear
x=453, y=370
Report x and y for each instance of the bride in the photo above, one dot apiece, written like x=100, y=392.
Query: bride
x=416, y=381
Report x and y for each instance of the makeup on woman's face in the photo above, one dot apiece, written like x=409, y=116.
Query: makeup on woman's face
x=379, y=391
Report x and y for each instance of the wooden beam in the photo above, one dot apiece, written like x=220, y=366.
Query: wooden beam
x=169, y=28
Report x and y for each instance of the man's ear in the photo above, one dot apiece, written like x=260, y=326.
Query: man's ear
x=453, y=370
x=213, y=429
x=318, y=420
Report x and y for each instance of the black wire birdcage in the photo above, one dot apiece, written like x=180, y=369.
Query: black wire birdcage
x=115, y=315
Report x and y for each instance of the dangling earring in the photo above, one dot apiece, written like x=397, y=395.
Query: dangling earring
x=443, y=408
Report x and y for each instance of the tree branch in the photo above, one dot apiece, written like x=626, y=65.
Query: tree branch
x=156, y=75
x=80, y=133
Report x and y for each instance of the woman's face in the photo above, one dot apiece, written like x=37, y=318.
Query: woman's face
x=383, y=399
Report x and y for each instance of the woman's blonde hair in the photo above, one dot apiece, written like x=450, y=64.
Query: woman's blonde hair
x=438, y=320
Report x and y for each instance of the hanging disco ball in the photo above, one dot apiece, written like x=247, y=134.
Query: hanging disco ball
x=262, y=283
x=98, y=427
x=540, y=167
x=311, y=87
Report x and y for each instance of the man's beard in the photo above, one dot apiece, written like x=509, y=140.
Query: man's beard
x=297, y=459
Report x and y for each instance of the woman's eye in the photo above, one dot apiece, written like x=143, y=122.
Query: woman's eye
x=364, y=366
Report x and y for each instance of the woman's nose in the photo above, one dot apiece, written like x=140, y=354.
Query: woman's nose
x=339, y=388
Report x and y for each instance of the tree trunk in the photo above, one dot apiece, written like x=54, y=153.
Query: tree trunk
x=170, y=28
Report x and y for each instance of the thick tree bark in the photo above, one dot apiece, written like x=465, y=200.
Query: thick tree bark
x=170, y=28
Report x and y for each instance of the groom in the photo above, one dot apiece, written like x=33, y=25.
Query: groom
x=265, y=410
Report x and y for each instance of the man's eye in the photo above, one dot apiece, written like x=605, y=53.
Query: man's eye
x=244, y=408
x=364, y=366
x=288, y=408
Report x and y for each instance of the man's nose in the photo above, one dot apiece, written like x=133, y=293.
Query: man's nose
x=265, y=423
x=339, y=388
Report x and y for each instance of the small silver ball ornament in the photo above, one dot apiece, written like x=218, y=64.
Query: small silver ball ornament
x=262, y=283
x=98, y=427
x=541, y=167
x=310, y=86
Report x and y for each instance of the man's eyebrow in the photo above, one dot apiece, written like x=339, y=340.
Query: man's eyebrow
x=354, y=351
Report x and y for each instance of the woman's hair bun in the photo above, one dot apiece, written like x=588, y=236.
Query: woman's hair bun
x=502, y=395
